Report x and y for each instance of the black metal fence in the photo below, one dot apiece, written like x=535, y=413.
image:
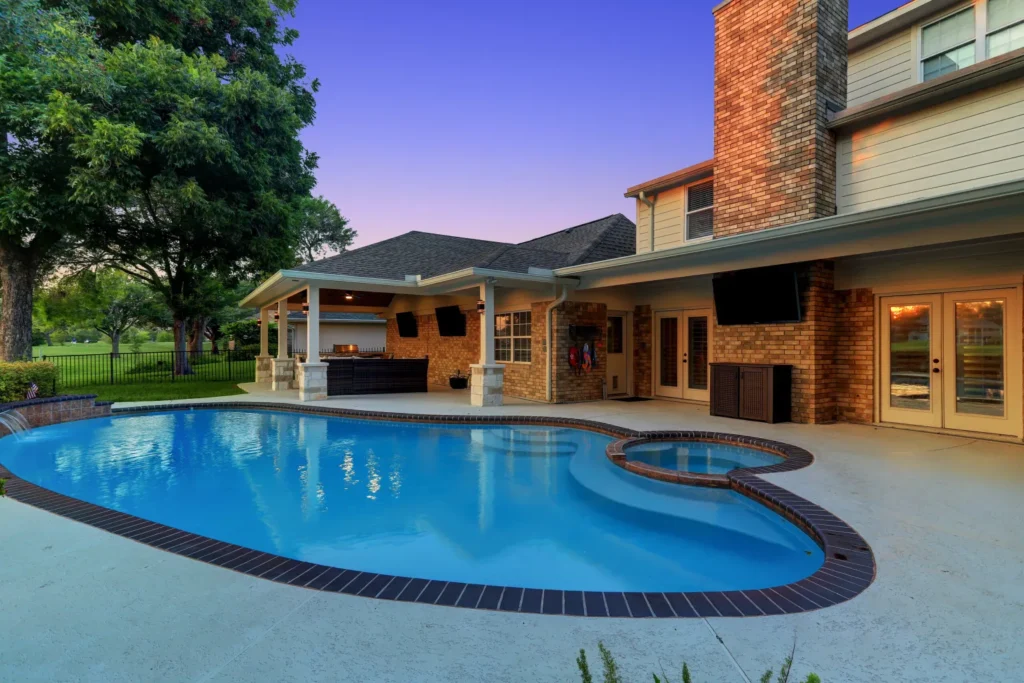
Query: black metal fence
x=154, y=366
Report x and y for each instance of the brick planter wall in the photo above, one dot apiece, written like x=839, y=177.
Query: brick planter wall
x=855, y=349
x=47, y=411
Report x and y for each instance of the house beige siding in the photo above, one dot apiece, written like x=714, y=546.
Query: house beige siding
x=643, y=228
x=668, y=221
x=968, y=142
x=880, y=69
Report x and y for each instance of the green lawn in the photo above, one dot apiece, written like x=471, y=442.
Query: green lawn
x=161, y=391
x=100, y=347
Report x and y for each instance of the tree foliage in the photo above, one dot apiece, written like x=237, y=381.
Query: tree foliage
x=51, y=77
x=320, y=228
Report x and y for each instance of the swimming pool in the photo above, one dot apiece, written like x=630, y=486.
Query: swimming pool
x=527, y=506
x=699, y=457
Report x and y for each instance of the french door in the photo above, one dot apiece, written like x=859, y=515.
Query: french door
x=953, y=360
x=682, y=354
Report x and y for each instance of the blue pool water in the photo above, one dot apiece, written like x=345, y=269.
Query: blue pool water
x=523, y=506
x=699, y=457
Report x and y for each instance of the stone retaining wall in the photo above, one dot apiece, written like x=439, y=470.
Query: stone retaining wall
x=47, y=411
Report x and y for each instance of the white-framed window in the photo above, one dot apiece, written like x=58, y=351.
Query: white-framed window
x=700, y=211
x=513, y=337
x=1005, y=30
x=948, y=44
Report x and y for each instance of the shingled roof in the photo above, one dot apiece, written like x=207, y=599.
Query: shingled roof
x=428, y=254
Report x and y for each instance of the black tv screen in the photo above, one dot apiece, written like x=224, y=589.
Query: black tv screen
x=757, y=296
x=451, y=321
x=407, y=325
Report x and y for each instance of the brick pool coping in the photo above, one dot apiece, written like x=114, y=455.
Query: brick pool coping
x=849, y=566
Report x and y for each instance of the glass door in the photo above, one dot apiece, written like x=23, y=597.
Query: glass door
x=616, y=366
x=696, y=355
x=982, y=375
x=911, y=360
x=667, y=371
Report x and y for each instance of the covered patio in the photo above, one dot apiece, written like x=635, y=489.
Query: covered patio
x=475, y=290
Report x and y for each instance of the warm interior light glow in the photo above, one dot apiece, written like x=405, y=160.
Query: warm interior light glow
x=348, y=296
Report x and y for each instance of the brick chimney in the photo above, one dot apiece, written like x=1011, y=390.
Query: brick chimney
x=778, y=65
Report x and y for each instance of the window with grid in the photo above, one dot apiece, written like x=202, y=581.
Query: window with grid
x=700, y=211
x=947, y=45
x=1005, y=31
x=513, y=337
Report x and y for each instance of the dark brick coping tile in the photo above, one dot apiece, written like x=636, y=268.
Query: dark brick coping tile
x=848, y=570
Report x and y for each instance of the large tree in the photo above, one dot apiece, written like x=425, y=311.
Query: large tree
x=321, y=229
x=196, y=164
x=50, y=77
x=105, y=299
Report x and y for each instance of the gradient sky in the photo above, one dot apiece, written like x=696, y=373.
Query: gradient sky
x=505, y=119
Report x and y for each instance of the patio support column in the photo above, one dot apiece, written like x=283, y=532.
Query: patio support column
x=313, y=325
x=284, y=367
x=264, y=363
x=487, y=381
x=312, y=379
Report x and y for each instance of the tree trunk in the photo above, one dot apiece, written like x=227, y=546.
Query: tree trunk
x=49, y=342
x=181, y=364
x=115, y=344
x=198, y=334
x=16, y=278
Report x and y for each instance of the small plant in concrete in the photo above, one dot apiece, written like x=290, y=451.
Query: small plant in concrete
x=610, y=670
x=3, y=488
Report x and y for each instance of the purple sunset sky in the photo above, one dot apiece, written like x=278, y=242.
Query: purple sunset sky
x=505, y=119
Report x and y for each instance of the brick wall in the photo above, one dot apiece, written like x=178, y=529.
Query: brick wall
x=854, y=355
x=447, y=354
x=643, y=350
x=777, y=62
x=526, y=380
x=808, y=346
x=567, y=386
x=48, y=411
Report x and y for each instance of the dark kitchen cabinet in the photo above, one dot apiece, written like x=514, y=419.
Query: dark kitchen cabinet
x=752, y=391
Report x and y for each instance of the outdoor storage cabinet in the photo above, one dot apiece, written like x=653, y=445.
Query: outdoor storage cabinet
x=751, y=391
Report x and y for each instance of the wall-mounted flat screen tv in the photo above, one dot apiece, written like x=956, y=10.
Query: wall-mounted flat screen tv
x=407, y=325
x=757, y=296
x=451, y=321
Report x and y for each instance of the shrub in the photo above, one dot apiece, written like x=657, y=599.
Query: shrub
x=38, y=337
x=611, y=670
x=15, y=379
x=165, y=336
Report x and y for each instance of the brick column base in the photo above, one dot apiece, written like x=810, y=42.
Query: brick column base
x=487, y=385
x=312, y=381
x=264, y=369
x=284, y=373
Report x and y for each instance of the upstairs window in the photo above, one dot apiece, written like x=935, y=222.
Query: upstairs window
x=513, y=337
x=700, y=211
x=1005, y=31
x=947, y=45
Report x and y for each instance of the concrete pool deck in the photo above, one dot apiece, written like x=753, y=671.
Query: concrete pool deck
x=941, y=513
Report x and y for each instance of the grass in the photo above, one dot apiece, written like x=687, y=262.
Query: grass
x=160, y=391
x=70, y=349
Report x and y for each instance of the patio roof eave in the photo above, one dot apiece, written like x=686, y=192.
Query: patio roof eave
x=284, y=283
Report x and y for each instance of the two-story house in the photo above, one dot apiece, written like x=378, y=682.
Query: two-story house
x=862, y=220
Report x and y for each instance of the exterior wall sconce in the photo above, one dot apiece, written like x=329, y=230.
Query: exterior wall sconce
x=259, y=323
x=349, y=296
x=481, y=306
x=305, y=308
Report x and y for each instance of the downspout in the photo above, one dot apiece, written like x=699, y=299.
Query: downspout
x=551, y=342
x=650, y=205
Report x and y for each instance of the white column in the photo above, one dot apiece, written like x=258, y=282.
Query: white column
x=313, y=325
x=264, y=331
x=282, y=329
x=487, y=324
